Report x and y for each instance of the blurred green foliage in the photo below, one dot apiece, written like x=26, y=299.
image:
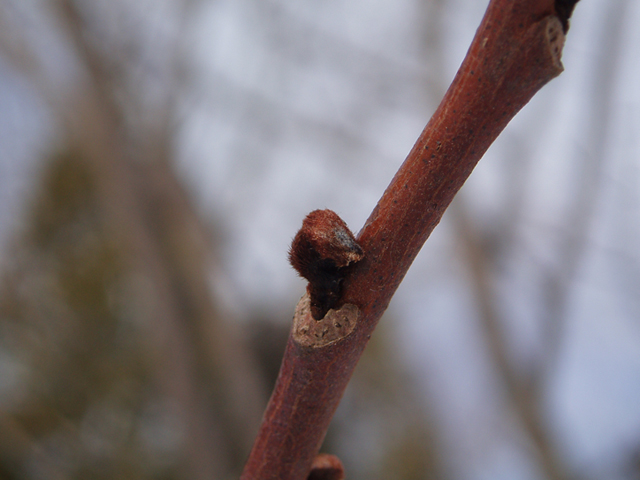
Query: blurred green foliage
x=86, y=399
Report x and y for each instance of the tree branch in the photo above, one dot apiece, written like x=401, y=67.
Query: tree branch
x=515, y=52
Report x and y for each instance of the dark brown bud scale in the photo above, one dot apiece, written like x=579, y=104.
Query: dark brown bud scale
x=320, y=252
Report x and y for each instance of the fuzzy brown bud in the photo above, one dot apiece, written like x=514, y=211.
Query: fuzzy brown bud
x=320, y=252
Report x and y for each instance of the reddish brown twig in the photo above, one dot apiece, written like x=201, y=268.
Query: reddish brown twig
x=516, y=51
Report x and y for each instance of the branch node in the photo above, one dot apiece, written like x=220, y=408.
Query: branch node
x=334, y=326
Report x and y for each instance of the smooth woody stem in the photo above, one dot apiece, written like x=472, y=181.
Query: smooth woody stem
x=516, y=51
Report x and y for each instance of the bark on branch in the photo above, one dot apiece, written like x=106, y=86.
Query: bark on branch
x=516, y=51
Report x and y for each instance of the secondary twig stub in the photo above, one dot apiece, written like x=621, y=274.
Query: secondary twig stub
x=334, y=326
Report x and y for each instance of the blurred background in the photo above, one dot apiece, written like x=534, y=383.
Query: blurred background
x=156, y=159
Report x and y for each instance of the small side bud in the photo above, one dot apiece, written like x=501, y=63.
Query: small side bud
x=320, y=252
x=326, y=467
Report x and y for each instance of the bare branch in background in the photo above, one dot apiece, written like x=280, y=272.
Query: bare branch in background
x=526, y=390
x=557, y=283
x=151, y=219
x=526, y=402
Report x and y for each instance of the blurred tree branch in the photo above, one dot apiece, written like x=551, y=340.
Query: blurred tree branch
x=557, y=282
x=526, y=401
x=526, y=391
x=151, y=219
